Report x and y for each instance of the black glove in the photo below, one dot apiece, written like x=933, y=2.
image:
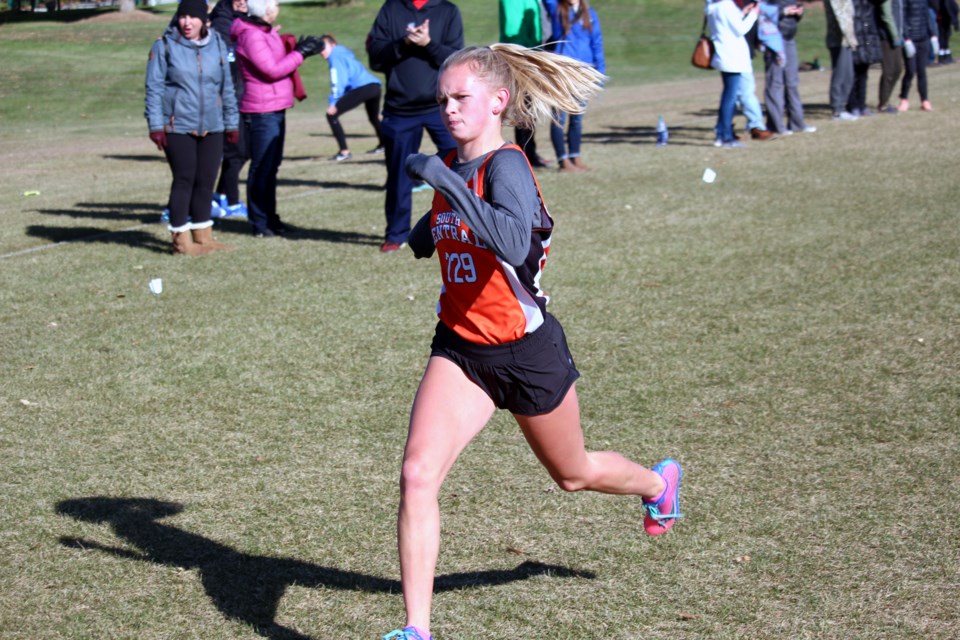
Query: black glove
x=309, y=46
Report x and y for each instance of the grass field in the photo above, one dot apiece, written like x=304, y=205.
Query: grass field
x=220, y=461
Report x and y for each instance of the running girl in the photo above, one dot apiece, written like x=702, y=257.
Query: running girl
x=495, y=344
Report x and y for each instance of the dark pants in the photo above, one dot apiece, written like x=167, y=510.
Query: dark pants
x=857, y=100
x=892, y=67
x=194, y=163
x=369, y=96
x=526, y=140
x=402, y=136
x=916, y=66
x=234, y=157
x=267, y=133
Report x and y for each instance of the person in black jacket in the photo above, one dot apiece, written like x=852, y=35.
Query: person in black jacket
x=916, y=50
x=408, y=42
x=868, y=52
x=235, y=155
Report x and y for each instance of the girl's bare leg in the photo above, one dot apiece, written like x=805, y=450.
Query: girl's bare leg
x=557, y=440
x=448, y=412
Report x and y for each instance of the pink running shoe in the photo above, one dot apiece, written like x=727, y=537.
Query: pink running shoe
x=663, y=510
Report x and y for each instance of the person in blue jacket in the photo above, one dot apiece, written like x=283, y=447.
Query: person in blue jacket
x=350, y=85
x=576, y=34
x=191, y=108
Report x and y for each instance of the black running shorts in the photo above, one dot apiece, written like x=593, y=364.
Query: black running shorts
x=527, y=377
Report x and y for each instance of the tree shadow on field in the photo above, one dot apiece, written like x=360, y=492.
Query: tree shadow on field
x=680, y=135
x=246, y=587
x=130, y=237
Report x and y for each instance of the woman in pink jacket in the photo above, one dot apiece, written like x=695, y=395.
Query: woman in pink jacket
x=268, y=75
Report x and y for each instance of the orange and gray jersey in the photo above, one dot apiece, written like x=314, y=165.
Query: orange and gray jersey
x=484, y=298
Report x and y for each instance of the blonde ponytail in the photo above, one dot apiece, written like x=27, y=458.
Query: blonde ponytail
x=540, y=83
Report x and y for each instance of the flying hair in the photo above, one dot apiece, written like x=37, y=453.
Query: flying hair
x=540, y=83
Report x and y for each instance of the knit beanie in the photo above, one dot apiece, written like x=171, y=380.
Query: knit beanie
x=193, y=8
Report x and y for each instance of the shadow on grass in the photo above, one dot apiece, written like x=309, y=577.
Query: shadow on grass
x=137, y=158
x=149, y=214
x=247, y=587
x=131, y=237
x=132, y=211
x=679, y=135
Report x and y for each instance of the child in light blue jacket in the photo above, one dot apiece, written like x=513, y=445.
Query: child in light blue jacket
x=350, y=85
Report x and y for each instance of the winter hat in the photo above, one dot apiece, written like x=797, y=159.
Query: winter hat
x=193, y=8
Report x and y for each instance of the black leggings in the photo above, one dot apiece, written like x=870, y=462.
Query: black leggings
x=194, y=162
x=369, y=95
x=916, y=66
x=234, y=157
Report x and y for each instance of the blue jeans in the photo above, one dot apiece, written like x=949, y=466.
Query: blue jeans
x=749, y=103
x=401, y=137
x=267, y=132
x=574, y=135
x=728, y=101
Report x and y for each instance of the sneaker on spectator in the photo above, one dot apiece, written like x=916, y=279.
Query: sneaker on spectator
x=809, y=129
x=342, y=156
x=718, y=142
x=390, y=247
x=845, y=116
x=238, y=210
x=889, y=109
x=734, y=144
x=378, y=151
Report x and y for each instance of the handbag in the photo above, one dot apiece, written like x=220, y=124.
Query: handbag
x=703, y=51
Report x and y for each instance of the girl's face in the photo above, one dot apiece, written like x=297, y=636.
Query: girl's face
x=469, y=107
x=190, y=27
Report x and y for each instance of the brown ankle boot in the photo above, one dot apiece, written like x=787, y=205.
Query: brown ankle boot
x=183, y=245
x=567, y=166
x=578, y=163
x=204, y=238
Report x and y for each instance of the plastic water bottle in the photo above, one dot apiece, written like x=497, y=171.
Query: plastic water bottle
x=662, y=134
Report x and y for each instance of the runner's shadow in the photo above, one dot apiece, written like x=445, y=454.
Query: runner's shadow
x=247, y=587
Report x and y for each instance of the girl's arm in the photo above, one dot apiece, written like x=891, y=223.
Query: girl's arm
x=503, y=224
x=155, y=82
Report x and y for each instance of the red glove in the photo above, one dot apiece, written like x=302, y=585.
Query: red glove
x=159, y=138
x=232, y=137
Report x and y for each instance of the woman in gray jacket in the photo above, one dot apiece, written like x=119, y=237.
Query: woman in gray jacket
x=190, y=108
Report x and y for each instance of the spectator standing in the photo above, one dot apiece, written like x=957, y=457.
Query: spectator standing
x=270, y=76
x=728, y=24
x=235, y=155
x=408, y=42
x=747, y=91
x=350, y=86
x=916, y=41
x=868, y=52
x=186, y=70
x=782, y=81
x=841, y=40
x=890, y=26
x=576, y=33
x=520, y=23
x=947, y=21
